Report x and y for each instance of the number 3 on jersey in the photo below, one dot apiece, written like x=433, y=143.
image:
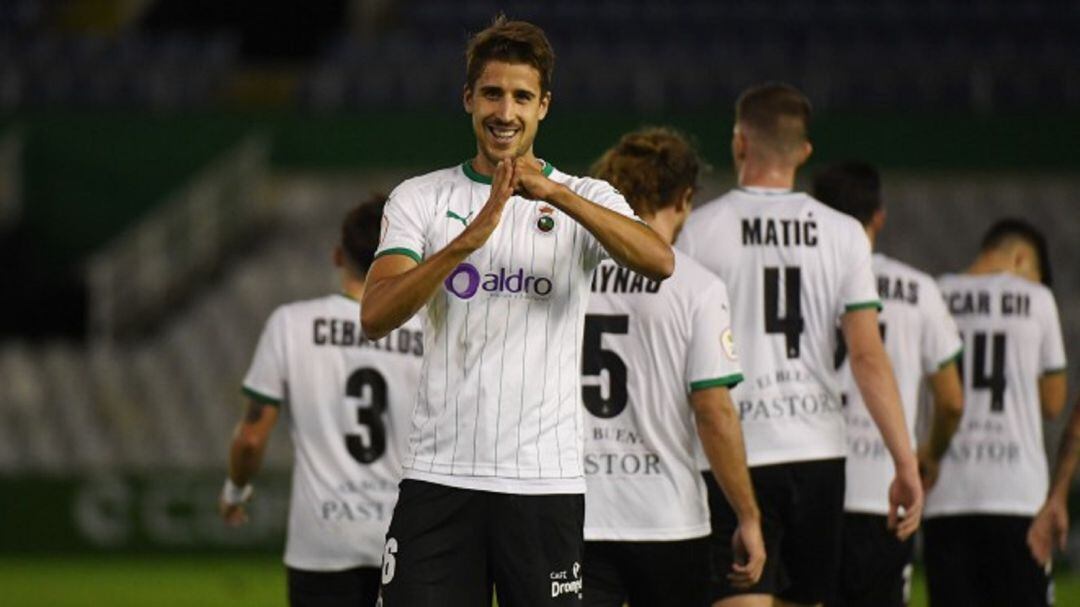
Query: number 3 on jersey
x=369, y=383
x=595, y=359
x=791, y=325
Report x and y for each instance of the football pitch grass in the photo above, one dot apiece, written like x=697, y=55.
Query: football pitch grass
x=186, y=581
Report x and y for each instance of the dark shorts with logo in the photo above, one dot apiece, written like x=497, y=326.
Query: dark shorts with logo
x=802, y=513
x=875, y=567
x=662, y=574
x=983, y=560
x=358, y=587
x=450, y=547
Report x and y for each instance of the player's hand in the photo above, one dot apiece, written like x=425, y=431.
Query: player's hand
x=929, y=469
x=1049, y=529
x=234, y=515
x=905, y=492
x=749, y=550
x=502, y=188
x=530, y=182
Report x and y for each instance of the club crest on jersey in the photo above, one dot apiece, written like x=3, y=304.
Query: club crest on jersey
x=546, y=222
x=727, y=342
x=466, y=281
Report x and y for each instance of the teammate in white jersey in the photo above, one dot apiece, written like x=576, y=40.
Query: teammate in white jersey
x=1050, y=528
x=994, y=476
x=922, y=341
x=349, y=404
x=501, y=249
x=668, y=354
x=795, y=268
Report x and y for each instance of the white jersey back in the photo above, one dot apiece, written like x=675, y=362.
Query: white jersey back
x=793, y=266
x=349, y=403
x=647, y=346
x=996, y=463
x=920, y=337
x=499, y=405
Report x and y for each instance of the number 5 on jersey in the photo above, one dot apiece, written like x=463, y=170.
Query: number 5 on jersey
x=595, y=359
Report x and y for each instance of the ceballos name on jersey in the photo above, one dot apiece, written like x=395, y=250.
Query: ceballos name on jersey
x=466, y=281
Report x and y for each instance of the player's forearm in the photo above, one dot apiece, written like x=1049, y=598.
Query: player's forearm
x=631, y=243
x=1067, y=457
x=721, y=437
x=245, y=456
x=948, y=409
x=390, y=301
x=1053, y=388
x=876, y=382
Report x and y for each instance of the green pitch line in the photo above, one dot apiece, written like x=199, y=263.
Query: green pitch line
x=184, y=581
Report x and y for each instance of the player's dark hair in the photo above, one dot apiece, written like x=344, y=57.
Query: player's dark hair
x=1011, y=228
x=360, y=232
x=650, y=166
x=778, y=115
x=853, y=188
x=511, y=42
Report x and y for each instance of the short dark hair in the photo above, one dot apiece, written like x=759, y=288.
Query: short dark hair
x=360, y=232
x=512, y=42
x=650, y=166
x=1011, y=228
x=850, y=187
x=778, y=114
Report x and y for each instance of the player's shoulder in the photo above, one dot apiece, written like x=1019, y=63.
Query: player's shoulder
x=584, y=186
x=691, y=275
x=316, y=306
x=900, y=269
x=428, y=182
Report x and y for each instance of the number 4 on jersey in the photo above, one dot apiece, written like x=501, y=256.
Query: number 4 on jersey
x=995, y=381
x=791, y=325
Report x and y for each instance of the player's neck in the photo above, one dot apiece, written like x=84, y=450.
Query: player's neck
x=352, y=287
x=871, y=235
x=762, y=175
x=486, y=166
x=664, y=224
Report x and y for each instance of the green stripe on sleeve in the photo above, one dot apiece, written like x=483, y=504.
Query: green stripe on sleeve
x=401, y=251
x=863, y=305
x=1055, y=371
x=952, y=359
x=259, y=397
x=728, y=381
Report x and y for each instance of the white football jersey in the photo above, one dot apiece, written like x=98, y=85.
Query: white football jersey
x=996, y=462
x=349, y=404
x=793, y=267
x=499, y=404
x=920, y=337
x=647, y=346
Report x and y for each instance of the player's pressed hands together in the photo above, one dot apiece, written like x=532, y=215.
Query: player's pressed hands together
x=749, y=550
x=905, y=492
x=502, y=188
x=530, y=182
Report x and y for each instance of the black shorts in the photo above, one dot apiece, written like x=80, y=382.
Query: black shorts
x=448, y=547
x=661, y=574
x=802, y=510
x=875, y=566
x=983, y=560
x=357, y=587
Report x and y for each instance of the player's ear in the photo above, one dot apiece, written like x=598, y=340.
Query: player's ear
x=685, y=200
x=738, y=143
x=805, y=151
x=878, y=220
x=338, y=257
x=545, y=104
x=467, y=98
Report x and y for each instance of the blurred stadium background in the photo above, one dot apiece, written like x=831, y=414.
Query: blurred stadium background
x=171, y=170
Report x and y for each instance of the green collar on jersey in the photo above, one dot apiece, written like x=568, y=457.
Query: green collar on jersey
x=471, y=173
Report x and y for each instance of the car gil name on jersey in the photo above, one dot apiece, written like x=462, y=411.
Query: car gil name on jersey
x=980, y=302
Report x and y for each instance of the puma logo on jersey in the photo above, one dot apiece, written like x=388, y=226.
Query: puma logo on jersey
x=464, y=220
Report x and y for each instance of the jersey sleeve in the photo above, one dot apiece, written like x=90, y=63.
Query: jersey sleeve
x=1052, y=348
x=266, y=377
x=403, y=222
x=712, y=360
x=858, y=288
x=940, y=341
x=604, y=194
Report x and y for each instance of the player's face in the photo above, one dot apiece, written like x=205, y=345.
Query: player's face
x=507, y=106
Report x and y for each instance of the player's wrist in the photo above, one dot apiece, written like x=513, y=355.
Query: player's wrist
x=233, y=495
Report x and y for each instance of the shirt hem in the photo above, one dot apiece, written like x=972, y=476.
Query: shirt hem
x=605, y=534
x=498, y=484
